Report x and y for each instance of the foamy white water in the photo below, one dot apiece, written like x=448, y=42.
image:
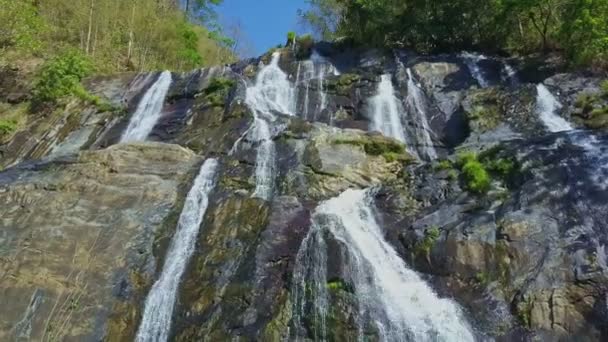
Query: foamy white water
x=417, y=103
x=547, y=106
x=472, y=62
x=156, y=321
x=272, y=92
x=390, y=295
x=387, y=111
x=148, y=111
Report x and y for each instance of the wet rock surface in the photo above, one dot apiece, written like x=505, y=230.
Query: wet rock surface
x=78, y=238
x=85, y=223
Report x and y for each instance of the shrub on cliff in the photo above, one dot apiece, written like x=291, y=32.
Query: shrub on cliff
x=61, y=76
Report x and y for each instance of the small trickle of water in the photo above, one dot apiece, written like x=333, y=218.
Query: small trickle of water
x=390, y=296
x=148, y=111
x=386, y=111
x=309, y=71
x=271, y=93
x=472, y=62
x=509, y=75
x=156, y=320
x=547, y=106
x=417, y=103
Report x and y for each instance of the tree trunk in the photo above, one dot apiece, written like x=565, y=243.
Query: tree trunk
x=90, y=30
x=131, y=35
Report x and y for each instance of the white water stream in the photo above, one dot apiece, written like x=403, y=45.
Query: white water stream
x=472, y=62
x=272, y=93
x=547, y=106
x=417, y=103
x=390, y=296
x=156, y=320
x=148, y=111
x=387, y=111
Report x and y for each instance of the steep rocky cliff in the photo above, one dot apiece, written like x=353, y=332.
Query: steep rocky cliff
x=487, y=176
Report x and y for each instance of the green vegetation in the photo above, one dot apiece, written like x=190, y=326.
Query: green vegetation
x=115, y=35
x=291, y=38
x=444, y=165
x=585, y=102
x=339, y=285
x=7, y=127
x=431, y=235
x=483, y=278
x=604, y=88
x=61, y=77
x=217, y=90
x=576, y=28
x=593, y=109
x=344, y=83
x=479, y=170
x=476, y=178
x=304, y=45
x=378, y=146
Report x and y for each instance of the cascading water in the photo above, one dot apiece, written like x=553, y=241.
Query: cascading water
x=272, y=92
x=472, y=62
x=309, y=72
x=547, y=106
x=390, y=296
x=325, y=68
x=417, y=104
x=315, y=69
x=148, y=111
x=156, y=320
x=509, y=75
x=386, y=111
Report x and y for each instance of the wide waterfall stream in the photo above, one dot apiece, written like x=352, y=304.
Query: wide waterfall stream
x=392, y=299
x=314, y=69
x=148, y=111
x=387, y=111
x=156, y=320
x=547, y=106
x=272, y=93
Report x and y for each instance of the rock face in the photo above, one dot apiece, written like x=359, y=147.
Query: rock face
x=79, y=238
x=510, y=220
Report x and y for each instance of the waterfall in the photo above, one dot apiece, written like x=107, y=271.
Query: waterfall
x=148, y=111
x=390, y=296
x=316, y=68
x=547, y=106
x=309, y=71
x=156, y=320
x=325, y=68
x=386, y=111
x=472, y=62
x=509, y=75
x=271, y=93
x=416, y=103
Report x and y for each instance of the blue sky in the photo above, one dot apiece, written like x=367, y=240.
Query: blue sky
x=266, y=22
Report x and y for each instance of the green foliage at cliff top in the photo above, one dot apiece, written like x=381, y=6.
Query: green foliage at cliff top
x=115, y=35
x=577, y=28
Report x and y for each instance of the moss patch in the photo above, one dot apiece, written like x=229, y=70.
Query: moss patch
x=344, y=83
x=378, y=146
x=423, y=247
x=486, y=110
x=218, y=90
x=475, y=177
x=12, y=119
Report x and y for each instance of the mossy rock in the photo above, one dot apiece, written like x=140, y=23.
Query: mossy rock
x=484, y=109
x=378, y=145
x=304, y=45
x=218, y=90
x=344, y=83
